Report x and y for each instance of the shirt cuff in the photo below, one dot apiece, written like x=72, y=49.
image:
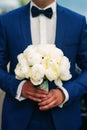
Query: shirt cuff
x=18, y=96
x=66, y=96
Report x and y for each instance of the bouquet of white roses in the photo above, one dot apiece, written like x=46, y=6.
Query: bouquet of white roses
x=43, y=63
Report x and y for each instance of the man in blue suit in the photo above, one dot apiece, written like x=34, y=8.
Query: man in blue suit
x=26, y=107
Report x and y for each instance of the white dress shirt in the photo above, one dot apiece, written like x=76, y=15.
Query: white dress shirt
x=43, y=31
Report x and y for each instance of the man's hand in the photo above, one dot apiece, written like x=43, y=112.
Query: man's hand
x=31, y=92
x=54, y=98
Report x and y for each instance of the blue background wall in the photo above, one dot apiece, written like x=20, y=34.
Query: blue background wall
x=79, y=6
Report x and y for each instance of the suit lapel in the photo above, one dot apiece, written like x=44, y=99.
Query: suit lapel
x=60, y=27
x=25, y=25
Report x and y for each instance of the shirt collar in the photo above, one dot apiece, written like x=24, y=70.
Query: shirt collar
x=53, y=6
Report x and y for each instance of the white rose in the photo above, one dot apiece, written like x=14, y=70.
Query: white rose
x=18, y=72
x=65, y=69
x=53, y=71
x=57, y=53
x=22, y=68
x=37, y=74
x=58, y=83
x=38, y=82
x=33, y=59
x=45, y=50
x=65, y=75
x=29, y=50
x=65, y=64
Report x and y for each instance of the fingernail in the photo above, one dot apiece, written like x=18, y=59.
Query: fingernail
x=44, y=95
x=40, y=108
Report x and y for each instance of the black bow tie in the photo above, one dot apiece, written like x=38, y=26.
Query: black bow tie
x=36, y=12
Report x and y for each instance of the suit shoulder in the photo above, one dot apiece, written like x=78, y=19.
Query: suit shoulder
x=14, y=13
x=70, y=13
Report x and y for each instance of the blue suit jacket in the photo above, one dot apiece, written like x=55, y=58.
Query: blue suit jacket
x=15, y=36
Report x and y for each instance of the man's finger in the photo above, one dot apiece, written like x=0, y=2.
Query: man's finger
x=36, y=95
x=34, y=99
x=46, y=101
x=48, y=106
x=41, y=91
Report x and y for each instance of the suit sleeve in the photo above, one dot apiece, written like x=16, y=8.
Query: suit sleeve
x=78, y=86
x=8, y=83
